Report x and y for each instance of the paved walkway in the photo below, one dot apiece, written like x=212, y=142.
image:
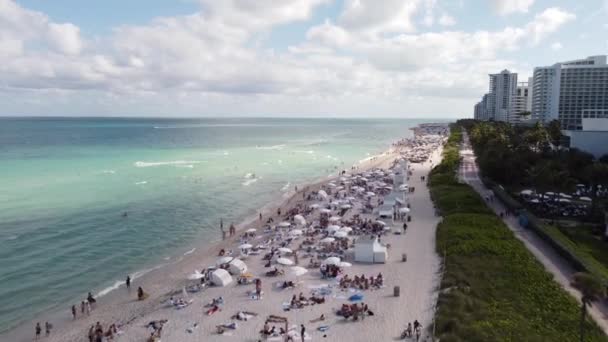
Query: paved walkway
x=562, y=271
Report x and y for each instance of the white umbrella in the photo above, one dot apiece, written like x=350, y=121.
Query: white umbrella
x=328, y=240
x=332, y=261
x=370, y=194
x=333, y=228
x=314, y=206
x=535, y=201
x=325, y=211
x=350, y=198
x=224, y=260
x=300, y=219
x=195, y=276
x=586, y=199
x=564, y=200
x=251, y=230
x=526, y=192
x=404, y=210
x=323, y=194
x=339, y=234
x=561, y=194
x=345, y=264
x=285, y=250
x=284, y=224
x=298, y=271
x=346, y=206
x=335, y=219
x=387, y=228
x=381, y=223
x=346, y=229
x=284, y=261
x=246, y=246
x=296, y=232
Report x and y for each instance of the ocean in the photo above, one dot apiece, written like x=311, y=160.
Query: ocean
x=86, y=201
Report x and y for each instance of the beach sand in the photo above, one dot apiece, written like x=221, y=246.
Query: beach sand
x=418, y=279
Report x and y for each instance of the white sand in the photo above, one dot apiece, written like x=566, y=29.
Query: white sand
x=418, y=279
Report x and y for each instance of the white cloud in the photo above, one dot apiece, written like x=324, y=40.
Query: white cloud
x=504, y=7
x=556, y=46
x=447, y=20
x=206, y=61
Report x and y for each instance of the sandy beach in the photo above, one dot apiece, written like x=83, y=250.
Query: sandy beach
x=417, y=279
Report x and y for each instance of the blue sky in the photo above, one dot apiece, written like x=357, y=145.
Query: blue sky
x=393, y=58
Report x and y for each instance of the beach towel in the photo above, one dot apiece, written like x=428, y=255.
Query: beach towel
x=356, y=297
x=323, y=328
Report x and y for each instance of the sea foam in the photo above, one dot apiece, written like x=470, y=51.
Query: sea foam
x=174, y=162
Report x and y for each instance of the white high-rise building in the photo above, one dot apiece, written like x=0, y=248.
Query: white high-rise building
x=571, y=91
x=502, y=88
x=520, y=103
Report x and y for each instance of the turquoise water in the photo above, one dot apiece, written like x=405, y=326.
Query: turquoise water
x=64, y=184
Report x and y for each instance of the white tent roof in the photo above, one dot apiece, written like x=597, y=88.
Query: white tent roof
x=237, y=267
x=221, y=277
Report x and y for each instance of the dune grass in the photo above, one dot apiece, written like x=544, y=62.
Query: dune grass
x=493, y=289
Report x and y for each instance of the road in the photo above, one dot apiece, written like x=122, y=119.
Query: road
x=561, y=270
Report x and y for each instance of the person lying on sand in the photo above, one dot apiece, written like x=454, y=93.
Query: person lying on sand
x=320, y=319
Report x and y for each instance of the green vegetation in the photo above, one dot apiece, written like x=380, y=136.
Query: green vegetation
x=492, y=288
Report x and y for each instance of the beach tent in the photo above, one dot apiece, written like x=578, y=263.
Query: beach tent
x=322, y=194
x=237, y=267
x=221, y=277
x=369, y=250
x=385, y=211
x=300, y=220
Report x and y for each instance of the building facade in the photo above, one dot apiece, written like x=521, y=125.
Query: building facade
x=520, y=102
x=503, y=86
x=571, y=91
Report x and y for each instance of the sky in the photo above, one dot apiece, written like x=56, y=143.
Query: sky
x=288, y=58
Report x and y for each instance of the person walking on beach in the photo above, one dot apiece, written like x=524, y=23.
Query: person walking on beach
x=128, y=282
x=73, y=311
x=47, y=329
x=38, y=330
x=302, y=331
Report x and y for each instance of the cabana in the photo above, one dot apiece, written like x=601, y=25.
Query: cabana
x=221, y=277
x=237, y=267
x=369, y=250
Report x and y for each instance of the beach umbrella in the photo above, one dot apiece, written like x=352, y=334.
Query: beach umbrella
x=387, y=228
x=322, y=194
x=296, y=232
x=586, y=199
x=346, y=206
x=340, y=235
x=224, y=260
x=333, y=228
x=381, y=223
x=284, y=224
x=196, y=276
x=284, y=261
x=328, y=240
x=535, y=201
x=350, y=198
x=251, y=230
x=526, y=192
x=345, y=264
x=298, y=271
x=346, y=229
x=246, y=246
x=300, y=219
x=315, y=206
x=561, y=194
x=285, y=250
x=404, y=210
x=564, y=200
x=335, y=219
x=370, y=194
x=325, y=211
x=332, y=261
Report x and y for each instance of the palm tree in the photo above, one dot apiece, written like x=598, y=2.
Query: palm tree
x=591, y=290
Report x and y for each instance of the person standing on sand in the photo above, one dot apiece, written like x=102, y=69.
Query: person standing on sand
x=128, y=282
x=82, y=307
x=73, y=311
x=47, y=328
x=38, y=330
x=302, y=331
x=260, y=216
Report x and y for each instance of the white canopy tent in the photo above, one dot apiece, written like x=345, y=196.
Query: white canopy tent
x=221, y=277
x=237, y=267
x=369, y=250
